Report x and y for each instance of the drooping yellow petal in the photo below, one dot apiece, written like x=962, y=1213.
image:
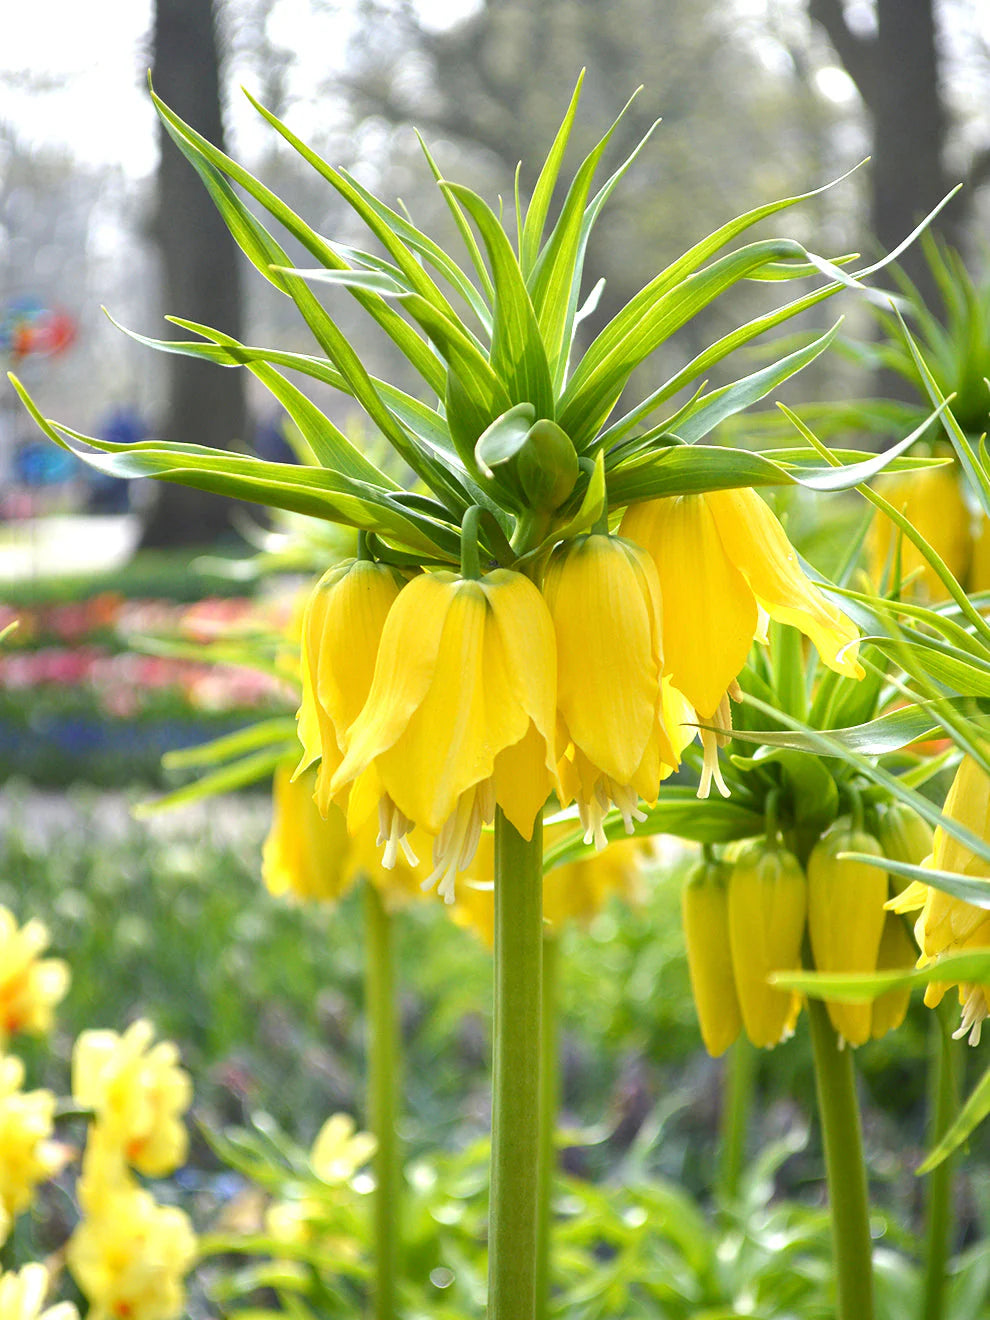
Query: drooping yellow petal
x=522, y=780
x=528, y=644
x=709, y=613
x=404, y=667
x=755, y=541
x=605, y=607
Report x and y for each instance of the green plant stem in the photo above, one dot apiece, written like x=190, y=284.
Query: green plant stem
x=549, y=1105
x=845, y=1168
x=735, y=1117
x=943, y=1104
x=512, y=1226
x=383, y=1090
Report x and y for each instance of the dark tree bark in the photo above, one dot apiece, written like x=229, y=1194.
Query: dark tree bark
x=200, y=264
x=897, y=73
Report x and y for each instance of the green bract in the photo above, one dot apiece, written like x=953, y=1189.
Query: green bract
x=507, y=421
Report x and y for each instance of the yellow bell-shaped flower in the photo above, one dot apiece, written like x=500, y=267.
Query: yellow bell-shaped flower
x=767, y=896
x=705, y=911
x=305, y=855
x=604, y=598
x=846, y=918
x=341, y=630
x=722, y=557
x=947, y=924
x=459, y=717
x=933, y=502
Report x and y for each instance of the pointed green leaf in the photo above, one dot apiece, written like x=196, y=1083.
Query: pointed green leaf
x=264, y=733
x=248, y=770
x=970, y=1116
x=536, y=214
x=518, y=356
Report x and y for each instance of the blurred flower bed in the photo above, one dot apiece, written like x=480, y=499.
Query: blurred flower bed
x=77, y=701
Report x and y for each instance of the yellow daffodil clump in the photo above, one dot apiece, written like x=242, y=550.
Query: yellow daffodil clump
x=30, y=986
x=22, y=1296
x=27, y=1154
x=137, y=1091
x=950, y=925
x=130, y=1255
x=337, y=1154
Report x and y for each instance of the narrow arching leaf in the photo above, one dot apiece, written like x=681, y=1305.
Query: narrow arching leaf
x=518, y=356
x=974, y=892
x=887, y=733
x=972, y=1114
x=536, y=214
x=855, y=987
x=248, y=770
x=276, y=732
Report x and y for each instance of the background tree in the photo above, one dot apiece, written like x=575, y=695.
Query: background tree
x=200, y=267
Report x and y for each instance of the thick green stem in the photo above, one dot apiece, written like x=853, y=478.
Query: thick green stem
x=383, y=1092
x=735, y=1117
x=944, y=1102
x=845, y=1169
x=549, y=1105
x=512, y=1226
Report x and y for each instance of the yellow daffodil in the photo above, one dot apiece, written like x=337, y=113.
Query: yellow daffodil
x=459, y=717
x=846, y=918
x=724, y=562
x=604, y=599
x=705, y=910
x=27, y=1155
x=138, y=1093
x=947, y=924
x=932, y=500
x=767, y=898
x=339, y=1149
x=30, y=986
x=22, y=1295
x=341, y=629
x=131, y=1258
x=337, y=1154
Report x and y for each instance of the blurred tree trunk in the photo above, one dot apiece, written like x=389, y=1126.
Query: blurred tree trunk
x=898, y=75
x=201, y=275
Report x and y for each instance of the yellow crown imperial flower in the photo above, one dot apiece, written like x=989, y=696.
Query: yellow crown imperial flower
x=705, y=910
x=846, y=917
x=138, y=1093
x=459, y=717
x=27, y=1155
x=30, y=986
x=604, y=599
x=933, y=502
x=131, y=1258
x=341, y=629
x=722, y=558
x=574, y=891
x=947, y=924
x=304, y=855
x=896, y=954
x=767, y=895
x=22, y=1295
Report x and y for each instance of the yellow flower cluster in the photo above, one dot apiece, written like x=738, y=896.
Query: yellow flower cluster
x=429, y=702
x=27, y=1154
x=22, y=1295
x=746, y=917
x=129, y=1254
x=950, y=925
x=30, y=986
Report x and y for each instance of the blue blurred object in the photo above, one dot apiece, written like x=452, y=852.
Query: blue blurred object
x=123, y=426
x=43, y=465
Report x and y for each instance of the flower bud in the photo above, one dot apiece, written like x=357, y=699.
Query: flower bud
x=904, y=836
x=705, y=910
x=533, y=461
x=846, y=917
x=896, y=953
x=767, y=897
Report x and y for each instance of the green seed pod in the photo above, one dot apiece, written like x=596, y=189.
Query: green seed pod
x=704, y=905
x=846, y=917
x=767, y=907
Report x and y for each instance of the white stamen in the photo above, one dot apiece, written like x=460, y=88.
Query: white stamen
x=605, y=795
x=392, y=830
x=973, y=1014
x=457, y=842
x=710, y=769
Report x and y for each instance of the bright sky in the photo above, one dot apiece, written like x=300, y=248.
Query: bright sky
x=98, y=52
